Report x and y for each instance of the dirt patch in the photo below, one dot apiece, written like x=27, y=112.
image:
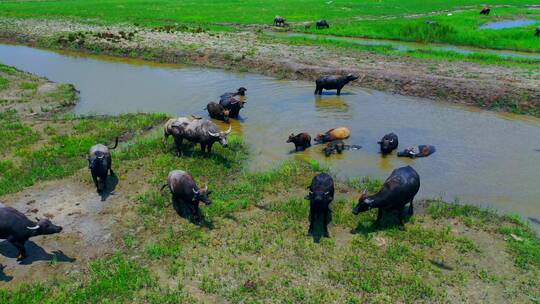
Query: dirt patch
x=461, y=82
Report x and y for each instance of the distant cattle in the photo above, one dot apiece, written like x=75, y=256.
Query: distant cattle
x=333, y=82
x=485, y=11
x=301, y=141
x=279, y=21
x=100, y=164
x=322, y=24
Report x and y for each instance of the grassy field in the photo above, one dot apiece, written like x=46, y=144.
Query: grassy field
x=252, y=245
x=347, y=17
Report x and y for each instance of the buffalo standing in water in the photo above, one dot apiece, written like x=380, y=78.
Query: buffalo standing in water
x=217, y=111
x=388, y=143
x=233, y=104
x=100, y=164
x=321, y=194
x=422, y=151
x=201, y=131
x=16, y=228
x=336, y=145
x=333, y=134
x=322, y=24
x=397, y=191
x=186, y=195
x=333, y=82
x=301, y=141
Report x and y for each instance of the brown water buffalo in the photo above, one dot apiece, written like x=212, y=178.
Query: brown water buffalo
x=332, y=82
x=217, y=111
x=421, y=151
x=100, y=164
x=336, y=145
x=301, y=141
x=201, y=131
x=397, y=191
x=186, y=195
x=321, y=194
x=16, y=228
x=333, y=134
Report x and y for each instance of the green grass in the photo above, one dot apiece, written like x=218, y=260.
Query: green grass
x=14, y=132
x=4, y=83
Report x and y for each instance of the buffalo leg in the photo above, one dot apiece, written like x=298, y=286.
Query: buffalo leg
x=310, y=230
x=326, y=222
x=400, y=218
x=20, y=246
x=316, y=90
x=338, y=92
x=96, y=182
x=209, y=149
x=411, y=208
x=178, y=144
x=379, y=217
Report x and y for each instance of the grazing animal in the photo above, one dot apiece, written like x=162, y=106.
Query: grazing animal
x=485, y=11
x=336, y=145
x=322, y=24
x=321, y=194
x=100, y=164
x=537, y=31
x=397, y=191
x=422, y=151
x=201, y=131
x=301, y=141
x=16, y=228
x=168, y=129
x=333, y=82
x=333, y=134
x=217, y=111
x=279, y=21
x=234, y=105
x=388, y=143
x=186, y=195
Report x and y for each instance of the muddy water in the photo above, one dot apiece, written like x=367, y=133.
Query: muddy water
x=407, y=46
x=484, y=158
x=498, y=25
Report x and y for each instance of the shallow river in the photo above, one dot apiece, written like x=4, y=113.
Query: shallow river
x=482, y=157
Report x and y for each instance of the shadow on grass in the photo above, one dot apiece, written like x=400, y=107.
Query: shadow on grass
x=3, y=276
x=389, y=220
x=187, y=212
x=34, y=253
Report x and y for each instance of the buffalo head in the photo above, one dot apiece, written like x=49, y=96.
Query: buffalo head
x=45, y=226
x=318, y=196
x=242, y=91
x=95, y=161
x=351, y=77
x=221, y=136
x=202, y=195
x=364, y=203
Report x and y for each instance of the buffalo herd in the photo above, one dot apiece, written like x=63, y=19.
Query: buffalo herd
x=397, y=191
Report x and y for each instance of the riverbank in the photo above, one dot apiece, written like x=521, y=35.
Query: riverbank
x=513, y=89
x=252, y=246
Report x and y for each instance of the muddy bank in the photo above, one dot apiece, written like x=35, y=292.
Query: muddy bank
x=513, y=89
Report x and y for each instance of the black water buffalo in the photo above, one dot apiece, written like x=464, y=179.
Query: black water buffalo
x=201, y=131
x=322, y=24
x=186, y=195
x=279, y=21
x=16, y=228
x=100, y=164
x=485, y=11
x=233, y=104
x=421, y=151
x=333, y=134
x=321, y=194
x=388, y=143
x=397, y=191
x=333, y=82
x=218, y=111
x=336, y=145
x=301, y=141
x=537, y=31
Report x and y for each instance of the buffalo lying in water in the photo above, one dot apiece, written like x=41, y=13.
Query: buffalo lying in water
x=201, y=131
x=233, y=104
x=321, y=194
x=333, y=134
x=421, y=151
x=100, y=164
x=301, y=141
x=217, y=111
x=397, y=191
x=333, y=82
x=338, y=146
x=16, y=228
x=388, y=143
x=186, y=195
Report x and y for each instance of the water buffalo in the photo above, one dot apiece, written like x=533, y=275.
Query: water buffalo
x=279, y=21
x=100, y=164
x=240, y=92
x=397, y=191
x=388, y=143
x=16, y=228
x=333, y=82
x=301, y=141
x=233, y=104
x=422, y=151
x=168, y=129
x=485, y=11
x=321, y=194
x=322, y=24
x=537, y=31
x=201, y=131
x=336, y=145
x=333, y=134
x=186, y=195
x=217, y=111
